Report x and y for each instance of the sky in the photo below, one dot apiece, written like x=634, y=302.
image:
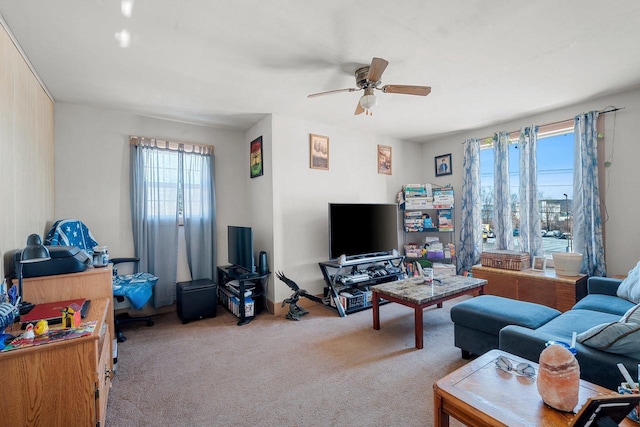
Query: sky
x=555, y=167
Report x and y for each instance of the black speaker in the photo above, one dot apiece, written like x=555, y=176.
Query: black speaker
x=263, y=266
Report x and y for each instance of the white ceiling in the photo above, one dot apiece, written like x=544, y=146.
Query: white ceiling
x=227, y=63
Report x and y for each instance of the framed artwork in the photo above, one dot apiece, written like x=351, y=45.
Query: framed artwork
x=318, y=152
x=443, y=165
x=256, y=167
x=539, y=262
x=384, y=159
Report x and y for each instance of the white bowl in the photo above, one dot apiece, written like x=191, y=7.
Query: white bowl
x=567, y=263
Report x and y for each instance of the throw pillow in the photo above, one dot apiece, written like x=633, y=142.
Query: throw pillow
x=614, y=337
x=632, y=315
x=629, y=289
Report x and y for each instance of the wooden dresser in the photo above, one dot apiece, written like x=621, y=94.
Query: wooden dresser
x=66, y=382
x=541, y=287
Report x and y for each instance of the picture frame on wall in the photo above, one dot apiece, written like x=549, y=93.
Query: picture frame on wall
x=256, y=166
x=539, y=263
x=384, y=159
x=318, y=152
x=443, y=165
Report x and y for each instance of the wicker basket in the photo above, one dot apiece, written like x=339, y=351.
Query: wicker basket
x=509, y=260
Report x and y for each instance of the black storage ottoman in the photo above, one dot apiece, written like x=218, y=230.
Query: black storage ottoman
x=196, y=299
x=477, y=321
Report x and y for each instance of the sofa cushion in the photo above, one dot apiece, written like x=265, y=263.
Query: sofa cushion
x=614, y=337
x=579, y=321
x=629, y=289
x=604, y=304
x=632, y=315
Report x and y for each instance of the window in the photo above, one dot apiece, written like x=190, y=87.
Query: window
x=554, y=158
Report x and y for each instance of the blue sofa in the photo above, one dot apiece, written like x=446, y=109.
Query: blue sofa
x=601, y=305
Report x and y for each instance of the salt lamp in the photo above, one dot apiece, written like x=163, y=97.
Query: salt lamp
x=558, y=378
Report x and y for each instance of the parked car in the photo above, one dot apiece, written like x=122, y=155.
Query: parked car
x=564, y=236
x=491, y=234
x=516, y=232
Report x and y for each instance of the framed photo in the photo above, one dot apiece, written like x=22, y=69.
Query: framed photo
x=256, y=167
x=443, y=165
x=384, y=159
x=318, y=152
x=539, y=262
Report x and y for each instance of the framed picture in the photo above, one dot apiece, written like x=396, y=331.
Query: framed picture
x=384, y=159
x=256, y=167
x=539, y=262
x=443, y=165
x=318, y=152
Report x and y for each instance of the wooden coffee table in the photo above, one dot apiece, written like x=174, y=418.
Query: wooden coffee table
x=479, y=394
x=420, y=296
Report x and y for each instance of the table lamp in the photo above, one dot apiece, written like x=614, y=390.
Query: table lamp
x=34, y=252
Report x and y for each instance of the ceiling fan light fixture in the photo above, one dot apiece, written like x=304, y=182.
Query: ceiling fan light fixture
x=368, y=101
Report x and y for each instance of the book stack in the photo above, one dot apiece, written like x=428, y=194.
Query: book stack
x=413, y=221
x=443, y=198
x=445, y=220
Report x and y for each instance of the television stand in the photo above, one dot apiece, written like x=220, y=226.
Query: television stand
x=348, y=284
x=246, y=281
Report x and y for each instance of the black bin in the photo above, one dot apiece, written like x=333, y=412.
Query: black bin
x=196, y=299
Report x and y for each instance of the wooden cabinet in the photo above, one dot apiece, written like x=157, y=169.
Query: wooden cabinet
x=541, y=287
x=66, y=382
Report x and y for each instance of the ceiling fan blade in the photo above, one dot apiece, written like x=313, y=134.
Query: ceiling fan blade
x=329, y=92
x=359, y=109
x=378, y=65
x=407, y=90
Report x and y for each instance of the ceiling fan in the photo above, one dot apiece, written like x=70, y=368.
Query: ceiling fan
x=368, y=79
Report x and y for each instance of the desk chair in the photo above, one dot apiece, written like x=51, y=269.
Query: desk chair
x=137, y=287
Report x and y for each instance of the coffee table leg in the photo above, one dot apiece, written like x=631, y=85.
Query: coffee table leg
x=441, y=418
x=376, y=310
x=418, y=327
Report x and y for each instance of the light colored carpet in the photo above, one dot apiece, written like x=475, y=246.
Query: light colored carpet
x=323, y=370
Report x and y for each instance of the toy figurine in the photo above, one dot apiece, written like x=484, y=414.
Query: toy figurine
x=295, y=311
x=29, y=334
x=42, y=327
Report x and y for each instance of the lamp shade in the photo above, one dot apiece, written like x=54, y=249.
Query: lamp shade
x=35, y=250
x=368, y=101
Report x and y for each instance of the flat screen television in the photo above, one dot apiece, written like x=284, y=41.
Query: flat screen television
x=362, y=229
x=240, y=245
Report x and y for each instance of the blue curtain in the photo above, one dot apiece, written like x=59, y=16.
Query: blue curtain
x=471, y=208
x=587, y=221
x=501, y=192
x=530, y=237
x=164, y=180
x=197, y=169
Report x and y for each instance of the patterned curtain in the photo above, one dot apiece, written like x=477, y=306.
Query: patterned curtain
x=530, y=237
x=587, y=221
x=501, y=192
x=471, y=206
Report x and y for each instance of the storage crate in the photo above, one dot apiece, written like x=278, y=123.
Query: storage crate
x=508, y=260
x=351, y=303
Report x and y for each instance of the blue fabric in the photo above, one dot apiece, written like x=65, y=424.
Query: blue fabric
x=471, y=219
x=502, y=192
x=137, y=287
x=530, y=237
x=70, y=232
x=587, y=221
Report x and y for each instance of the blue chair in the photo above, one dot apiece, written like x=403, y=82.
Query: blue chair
x=136, y=287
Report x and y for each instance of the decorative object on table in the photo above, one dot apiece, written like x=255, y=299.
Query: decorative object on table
x=42, y=327
x=29, y=333
x=539, y=263
x=295, y=311
x=506, y=259
x=256, y=167
x=318, y=152
x=443, y=165
x=558, y=378
x=384, y=159
x=567, y=263
x=70, y=317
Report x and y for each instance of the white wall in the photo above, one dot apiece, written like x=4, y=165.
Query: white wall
x=622, y=149
x=92, y=180
x=301, y=194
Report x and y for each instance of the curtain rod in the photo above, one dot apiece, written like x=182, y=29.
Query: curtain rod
x=172, y=145
x=603, y=111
